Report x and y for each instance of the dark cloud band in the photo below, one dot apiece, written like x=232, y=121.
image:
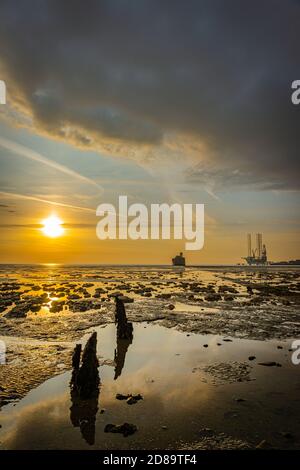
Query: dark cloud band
x=122, y=75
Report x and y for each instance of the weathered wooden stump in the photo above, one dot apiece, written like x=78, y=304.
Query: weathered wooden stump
x=124, y=328
x=85, y=377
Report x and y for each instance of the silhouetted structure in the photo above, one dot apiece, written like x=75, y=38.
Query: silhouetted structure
x=258, y=256
x=124, y=336
x=85, y=378
x=179, y=260
x=120, y=355
x=124, y=328
x=85, y=389
x=83, y=415
x=292, y=262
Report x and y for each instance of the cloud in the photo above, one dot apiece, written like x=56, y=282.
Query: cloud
x=26, y=197
x=39, y=226
x=7, y=208
x=30, y=154
x=207, y=83
x=213, y=178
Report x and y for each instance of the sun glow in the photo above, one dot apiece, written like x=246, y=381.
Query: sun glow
x=52, y=227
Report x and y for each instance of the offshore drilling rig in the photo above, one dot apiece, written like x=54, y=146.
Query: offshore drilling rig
x=257, y=256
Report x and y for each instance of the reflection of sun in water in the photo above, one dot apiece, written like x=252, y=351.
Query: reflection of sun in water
x=52, y=227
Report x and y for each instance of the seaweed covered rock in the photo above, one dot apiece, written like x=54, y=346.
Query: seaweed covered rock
x=126, y=428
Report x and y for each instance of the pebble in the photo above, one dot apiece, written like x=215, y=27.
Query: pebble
x=264, y=445
x=287, y=435
x=126, y=428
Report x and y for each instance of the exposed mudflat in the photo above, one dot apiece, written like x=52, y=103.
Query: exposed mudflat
x=45, y=310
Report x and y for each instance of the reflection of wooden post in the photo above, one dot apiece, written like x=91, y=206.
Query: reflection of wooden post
x=83, y=415
x=120, y=355
x=85, y=388
x=124, y=328
x=85, y=378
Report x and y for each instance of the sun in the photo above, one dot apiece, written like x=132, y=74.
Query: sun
x=52, y=227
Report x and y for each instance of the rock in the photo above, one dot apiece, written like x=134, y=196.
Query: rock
x=206, y=432
x=240, y=400
x=100, y=290
x=134, y=399
x=228, y=298
x=213, y=297
x=251, y=358
x=227, y=372
x=227, y=340
x=264, y=445
x=35, y=288
x=84, y=305
x=74, y=296
x=228, y=289
x=56, y=306
x=126, y=428
x=130, y=399
x=19, y=311
x=171, y=307
x=287, y=435
x=119, y=396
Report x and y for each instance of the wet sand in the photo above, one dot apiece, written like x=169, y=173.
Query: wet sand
x=194, y=331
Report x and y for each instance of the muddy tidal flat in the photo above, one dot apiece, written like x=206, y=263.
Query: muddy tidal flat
x=209, y=365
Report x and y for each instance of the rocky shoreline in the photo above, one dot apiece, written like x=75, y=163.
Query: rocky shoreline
x=41, y=320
